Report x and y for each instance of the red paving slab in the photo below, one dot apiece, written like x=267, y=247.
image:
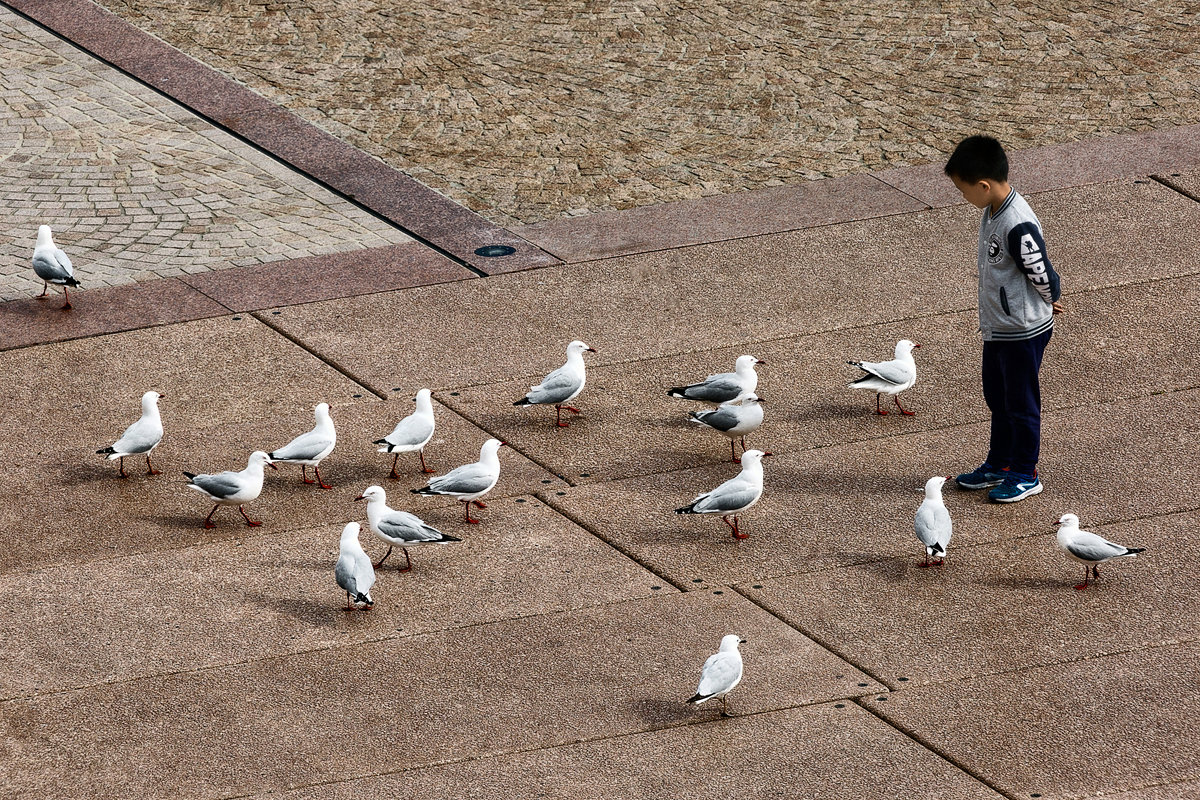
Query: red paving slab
x=486, y=689
x=265, y=593
x=1071, y=730
x=691, y=222
x=825, y=752
x=997, y=607
x=100, y=311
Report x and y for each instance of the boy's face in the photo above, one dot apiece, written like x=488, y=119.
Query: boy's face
x=978, y=194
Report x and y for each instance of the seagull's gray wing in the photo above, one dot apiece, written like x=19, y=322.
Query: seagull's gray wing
x=140, y=437
x=555, y=387
x=733, y=495
x=409, y=527
x=716, y=388
x=305, y=447
x=894, y=372
x=344, y=572
x=52, y=265
x=719, y=674
x=931, y=524
x=410, y=431
x=221, y=485
x=723, y=418
x=467, y=479
x=1095, y=548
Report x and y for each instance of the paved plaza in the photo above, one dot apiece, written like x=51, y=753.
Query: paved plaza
x=273, y=205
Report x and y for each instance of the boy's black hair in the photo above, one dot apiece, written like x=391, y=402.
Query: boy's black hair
x=978, y=158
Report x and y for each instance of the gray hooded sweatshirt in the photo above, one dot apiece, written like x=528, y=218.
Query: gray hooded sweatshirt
x=1017, y=284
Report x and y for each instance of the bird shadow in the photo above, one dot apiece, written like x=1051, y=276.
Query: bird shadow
x=86, y=474
x=659, y=711
x=821, y=412
x=186, y=521
x=310, y=612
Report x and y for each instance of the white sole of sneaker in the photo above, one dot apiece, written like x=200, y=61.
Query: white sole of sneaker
x=1027, y=493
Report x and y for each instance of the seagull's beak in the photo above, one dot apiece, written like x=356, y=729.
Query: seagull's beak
x=503, y=443
x=916, y=345
x=759, y=363
x=161, y=395
x=741, y=641
x=361, y=497
x=591, y=349
x=271, y=464
x=768, y=453
x=760, y=400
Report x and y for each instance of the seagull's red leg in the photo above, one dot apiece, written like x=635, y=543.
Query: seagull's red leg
x=66, y=300
x=903, y=410
x=879, y=410
x=733, y=449
x=925, y=563
x=573, y=409
x=121, y=464
x=304, y=474
x=737, y=533
x=470, y=520
x=249, y=521
x=558, y=418
x=379, y=563
x=45, y=288
x=208, y=523
x=479, y=504
x=393, y=474
x=320, y=482
x=424, y=468
x=1084, y=585
x=1095, y=573
x=407, y=561
x=150, y=470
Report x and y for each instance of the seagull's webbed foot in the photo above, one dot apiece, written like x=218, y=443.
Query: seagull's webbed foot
x=322, y=484
x=903, y=410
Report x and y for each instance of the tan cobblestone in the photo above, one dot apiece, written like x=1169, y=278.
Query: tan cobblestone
x=132, y=184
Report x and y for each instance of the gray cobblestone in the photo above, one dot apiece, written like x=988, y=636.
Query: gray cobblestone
x=132, y=184
x=527, y=111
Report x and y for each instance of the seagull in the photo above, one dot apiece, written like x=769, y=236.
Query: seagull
x=734, y=495
x=469, y=482
x=1088, y=548
x=720, y=673
x=52, y=265
x=308, y=449
x=140, y=437
x=233, y=488
x=735, y=419
x=411, y=433
x=398, y=528
x=932, y=522
x=723, y=387
x=889, y=377
x=562, y=385
x=354, y=572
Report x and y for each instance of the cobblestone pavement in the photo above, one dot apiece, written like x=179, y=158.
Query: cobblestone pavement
x=134, y=186
x=527, y=111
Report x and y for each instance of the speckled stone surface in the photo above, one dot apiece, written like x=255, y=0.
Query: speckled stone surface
x=1070, y=730
x=285, y=721
x=835, y=751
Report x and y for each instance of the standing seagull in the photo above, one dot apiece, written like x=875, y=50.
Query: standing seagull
x=52, y=265
x=308, y=449
x=562, y=385
x=411, y=433
x=734, y=419
x=469, y=482
x=1088, y=548
x=233, y=488
x=932, y=523
x=398, y=528
x=889, y=377
x=724, y=386
x=354, y=572
x=720, y=673
x=734, y=495
x=140, y=437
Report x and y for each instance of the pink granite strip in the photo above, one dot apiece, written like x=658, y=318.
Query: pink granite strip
x=306, y=280
x=712, y=219
x=1060, y=166
x=101, y=311
x=388, y=192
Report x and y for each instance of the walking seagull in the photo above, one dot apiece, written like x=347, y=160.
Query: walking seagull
x=735, y=419
x=469, y=482
x=720, y=673
x=308, y=449
x=233, y=488
x=562, y=385
x=398, y=528
x=932, y=523
x=734, y=495
x=725, y=386
x=141, y=437
x=411, y=433
x=1089, y=549
x=52, y=265
x=889, y=377
x=353, y=570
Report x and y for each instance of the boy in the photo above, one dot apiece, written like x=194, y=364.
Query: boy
x=1018, y=298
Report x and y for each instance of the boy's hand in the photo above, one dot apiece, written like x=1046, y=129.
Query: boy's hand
x=1058, y=307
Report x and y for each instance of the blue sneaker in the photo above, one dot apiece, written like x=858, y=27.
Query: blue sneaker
x=1016, y=487
x=981, y=477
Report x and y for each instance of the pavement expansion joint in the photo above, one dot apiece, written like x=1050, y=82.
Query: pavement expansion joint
x=1175, y=188
x=264, y=318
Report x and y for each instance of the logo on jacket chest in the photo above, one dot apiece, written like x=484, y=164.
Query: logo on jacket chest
x=995, y=252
